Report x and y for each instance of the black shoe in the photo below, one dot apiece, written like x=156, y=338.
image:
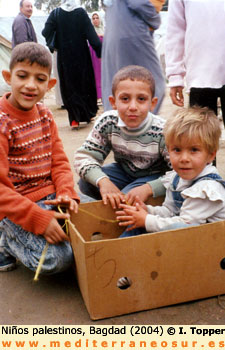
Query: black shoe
x=7, y=263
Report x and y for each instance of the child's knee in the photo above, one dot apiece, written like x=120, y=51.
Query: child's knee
x=58, y=258
x=88, y=189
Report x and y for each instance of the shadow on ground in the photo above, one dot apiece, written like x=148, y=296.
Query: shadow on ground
x=57, y=300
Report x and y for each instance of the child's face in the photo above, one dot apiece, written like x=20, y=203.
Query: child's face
x=29, y=84
x=133, y=100
x=189, y=159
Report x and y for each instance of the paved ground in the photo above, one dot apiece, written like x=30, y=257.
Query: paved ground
x=57, y=300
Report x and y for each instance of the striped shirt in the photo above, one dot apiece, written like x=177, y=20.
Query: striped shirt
x=32, y=165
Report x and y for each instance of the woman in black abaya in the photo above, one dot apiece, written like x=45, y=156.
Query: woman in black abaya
x=77, y=82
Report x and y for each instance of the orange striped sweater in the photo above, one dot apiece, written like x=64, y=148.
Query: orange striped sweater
x=33, y=164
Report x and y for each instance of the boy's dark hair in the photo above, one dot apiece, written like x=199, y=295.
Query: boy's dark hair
x=133, y=72
x=33, y=53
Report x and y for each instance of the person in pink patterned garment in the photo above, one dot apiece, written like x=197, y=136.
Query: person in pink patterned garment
x=98, y=25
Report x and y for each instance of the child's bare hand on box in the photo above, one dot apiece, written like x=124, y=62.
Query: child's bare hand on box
x=143, y=192
x=137, y=200
x=110, y=192
x=66, y=201
x=133, y=216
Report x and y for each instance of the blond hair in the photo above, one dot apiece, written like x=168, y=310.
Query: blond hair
x=194, y=122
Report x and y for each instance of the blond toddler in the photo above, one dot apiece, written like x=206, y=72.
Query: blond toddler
x=195, y=192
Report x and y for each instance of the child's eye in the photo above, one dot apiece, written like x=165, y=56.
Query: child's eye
x=41, y=79
x=176, y=149
x=141, y=98
x=124, y=98
x=194, y=149
x=21, y=76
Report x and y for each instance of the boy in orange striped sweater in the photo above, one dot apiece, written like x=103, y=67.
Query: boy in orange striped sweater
x=35, y=175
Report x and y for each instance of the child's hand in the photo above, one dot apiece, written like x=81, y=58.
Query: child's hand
x=143, y=192
x=137, y=200
x=66, y=201
x=54, y=233
x=133, y=216
x=110, y=192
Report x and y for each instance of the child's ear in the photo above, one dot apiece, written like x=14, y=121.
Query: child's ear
x=211, y=157
x=153, y=103
x=112, y=101
x=51, y=83
x=7, y=76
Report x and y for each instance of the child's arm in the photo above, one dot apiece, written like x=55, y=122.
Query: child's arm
x=16, y=207
x=153, y=188
x=89, y=158
x=61, y=172
x=143, y=192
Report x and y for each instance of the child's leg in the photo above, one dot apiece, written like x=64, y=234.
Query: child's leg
x=139, y=182
x=115, y=173
x=84, y=198
x=140, y=230
x=89, y=190
x=27, y=247
x=135, y=232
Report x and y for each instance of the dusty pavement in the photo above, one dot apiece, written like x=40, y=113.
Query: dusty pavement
x=57, y=300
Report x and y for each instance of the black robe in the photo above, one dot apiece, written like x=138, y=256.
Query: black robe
x=77, y=82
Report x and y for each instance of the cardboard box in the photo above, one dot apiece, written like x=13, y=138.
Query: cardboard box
x=165, y=268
